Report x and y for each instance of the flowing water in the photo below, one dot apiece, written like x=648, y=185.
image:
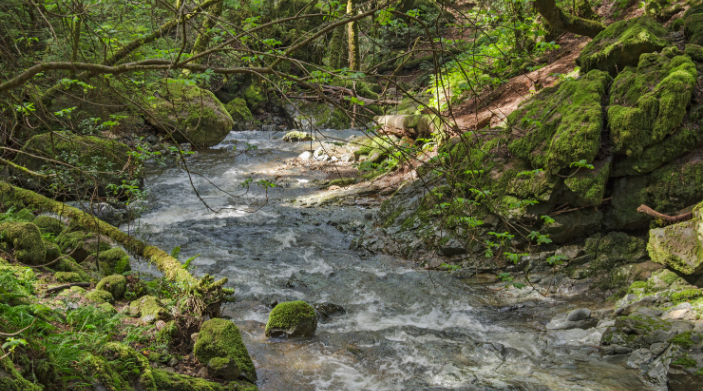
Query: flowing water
x=403, y=329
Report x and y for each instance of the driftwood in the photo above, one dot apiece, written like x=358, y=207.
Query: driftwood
x=669, y=219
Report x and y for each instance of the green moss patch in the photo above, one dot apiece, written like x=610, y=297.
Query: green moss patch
x=25, y=242
x=561, y=124
x=189, y=113
x=115, y=284
x=621, y=45
x=99, y=296
x=220, y=338
x=649, y=103
x=68, y=277
x=293, y=319
x=50, y=225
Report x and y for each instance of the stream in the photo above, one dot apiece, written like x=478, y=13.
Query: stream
x=403, y=328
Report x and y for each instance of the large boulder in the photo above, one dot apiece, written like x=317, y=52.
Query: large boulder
x=679, y=246
x=49, y=225
x=189, y=113
x=82, y=244
x=238, y=110
x=621, y=45
x=561, y=124
x=116, y=284
x=413, y=126
x=23, y=240
x=292, y=319
x=317, y=115
x=220, y=346
x=88, y=153
x=648, y=103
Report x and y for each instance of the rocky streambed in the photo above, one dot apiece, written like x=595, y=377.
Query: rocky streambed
x=384, y=323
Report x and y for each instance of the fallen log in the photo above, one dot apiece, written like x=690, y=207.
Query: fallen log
x=207, y=293
x=66, y=286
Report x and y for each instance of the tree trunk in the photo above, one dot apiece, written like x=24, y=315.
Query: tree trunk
x=339, y=55
x=560, y=20
x=203, y=40
x=353, y=33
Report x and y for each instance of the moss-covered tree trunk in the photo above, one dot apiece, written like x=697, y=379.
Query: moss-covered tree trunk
x=570, y=23
x=205, y=36
x=339, y=55
x=353, y=35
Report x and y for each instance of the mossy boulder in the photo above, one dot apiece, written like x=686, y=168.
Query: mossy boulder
x=318, y=115
x=693, y=28
x=112, y=261
x=68, y=277
x=82, y=244
x=649, y=103
x=413, y=126
x=238, y=110
x=616, y=247
x=67, y=264
x=49, y=225
x=149, y=309
x=561, y=124
x=621, y=45
x=220, y=339
x=292, y=319
x=25, y=242
x=679, y=246
x=52, y=251
x=25, y=215
x=295, y=136
x=99, y=296
x=87, y=152
x=116, y=284
x=189, y=113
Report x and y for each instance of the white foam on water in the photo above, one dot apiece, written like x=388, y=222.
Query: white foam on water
x=287, y=238
x=340, y=374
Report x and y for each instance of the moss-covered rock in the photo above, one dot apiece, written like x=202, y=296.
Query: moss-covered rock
x=649, y=103
x=693, y=28
x=82, y=244
x=621, y=45
x=318, y=115
x=169, y=381
x=67, y=264
x=112, y=261
x=292, y=319
x=116, y=284
x=298, y=136
x=189, y=113
x=616, y=247
x=149, y=309
x=684, y=139
x=49, y=225
x=561, y=124
x=87, y=152
x=25, y=215
x=99, y=296
x=25, y=242
x=12, y=380
x=68, y=277
x=588, y=185
x=679, y=246
x=238, y=110
x=667, y=189
x=52, y=251
x=220, y=338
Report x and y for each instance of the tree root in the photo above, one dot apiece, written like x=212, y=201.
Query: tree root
x=669, y=219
